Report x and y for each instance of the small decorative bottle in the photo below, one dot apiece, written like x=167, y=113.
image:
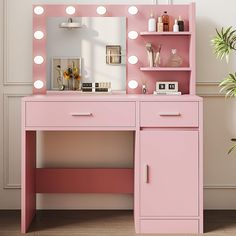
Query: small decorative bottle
x=174, y=60
x=176, y=26
x=160, y=24
x=152, y=23
x=166, y=21
x=181, y=24
x=144, y=88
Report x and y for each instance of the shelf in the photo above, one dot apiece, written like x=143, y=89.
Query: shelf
x=146, y=33
x=85, y=180
x=165, y=69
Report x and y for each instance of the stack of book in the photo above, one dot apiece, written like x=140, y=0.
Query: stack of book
x=166, y=93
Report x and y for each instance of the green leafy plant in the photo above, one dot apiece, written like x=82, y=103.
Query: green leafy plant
x=233, y=147
x=229, y=85
x=224, y=43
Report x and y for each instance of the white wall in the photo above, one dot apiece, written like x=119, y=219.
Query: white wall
x=219, y=113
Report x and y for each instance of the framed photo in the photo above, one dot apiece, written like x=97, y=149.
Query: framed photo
x=113, y=54
x=61, y=65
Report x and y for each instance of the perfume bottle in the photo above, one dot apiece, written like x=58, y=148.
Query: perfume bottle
x=166, y=21
x=174, y=60
x=152, y=23
x=176, y=26
x=144, y=88
x=181, y=24
x=160, y=24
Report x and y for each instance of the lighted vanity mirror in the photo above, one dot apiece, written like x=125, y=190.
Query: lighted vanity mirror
x=85, y=46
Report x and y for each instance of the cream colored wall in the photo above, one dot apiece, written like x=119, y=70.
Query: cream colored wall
x=219, y=113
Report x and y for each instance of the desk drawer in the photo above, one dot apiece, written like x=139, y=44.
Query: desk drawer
x=80, y=114
x=169, y=114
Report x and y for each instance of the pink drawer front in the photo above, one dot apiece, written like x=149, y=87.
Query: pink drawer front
x=169, y=226
x=169, y=114
x=80, y=114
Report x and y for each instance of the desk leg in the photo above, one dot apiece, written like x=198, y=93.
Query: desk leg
x=28, y=190
x=136, y=183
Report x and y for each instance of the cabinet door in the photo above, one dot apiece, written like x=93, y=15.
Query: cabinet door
x=169, y=173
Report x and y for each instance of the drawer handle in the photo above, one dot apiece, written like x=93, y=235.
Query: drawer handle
x=169, y=114
x=146, y=173
x=82, y=114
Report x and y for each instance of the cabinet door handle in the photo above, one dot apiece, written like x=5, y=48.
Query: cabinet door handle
x=169, y=114
x=81, y=114
x=146, y=173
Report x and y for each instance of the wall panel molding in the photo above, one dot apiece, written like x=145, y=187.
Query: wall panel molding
x=7, y=167
x=6, y=48
x=220, y=186
x=209, y=89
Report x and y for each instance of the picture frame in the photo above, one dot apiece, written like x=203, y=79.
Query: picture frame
x=64, y=63
x=113, y=54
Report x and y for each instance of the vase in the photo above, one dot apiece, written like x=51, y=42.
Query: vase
x=73, y=84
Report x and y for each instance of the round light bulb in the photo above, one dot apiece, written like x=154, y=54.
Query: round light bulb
x=38, y=84
x=38, y=10
x=133, y=34
x=38, y=60
x=133, y=84
x=70, y=10
x=133, y=10
x=101, y=10
x=133, y=60
x=38, y=34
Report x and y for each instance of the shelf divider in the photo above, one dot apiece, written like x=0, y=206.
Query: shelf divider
x=165, y=69
x=146, y=33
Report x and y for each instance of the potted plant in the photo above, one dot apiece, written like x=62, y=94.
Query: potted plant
x=224, y=43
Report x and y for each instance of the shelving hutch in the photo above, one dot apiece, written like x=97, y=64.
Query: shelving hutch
x=184, y=42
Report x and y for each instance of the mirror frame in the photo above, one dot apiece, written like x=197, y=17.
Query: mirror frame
x=81, y=10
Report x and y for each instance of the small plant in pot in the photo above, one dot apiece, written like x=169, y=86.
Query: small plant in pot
x=224, y=43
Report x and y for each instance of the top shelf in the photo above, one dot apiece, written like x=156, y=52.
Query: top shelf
x=146, y=33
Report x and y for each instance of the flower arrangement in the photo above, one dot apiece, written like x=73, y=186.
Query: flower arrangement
x=72, y=75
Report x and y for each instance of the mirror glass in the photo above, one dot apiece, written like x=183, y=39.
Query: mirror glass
x=97, y=44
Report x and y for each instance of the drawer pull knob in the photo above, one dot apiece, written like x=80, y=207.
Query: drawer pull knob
x=146, y=173
x=169, y=114
x=81, y=114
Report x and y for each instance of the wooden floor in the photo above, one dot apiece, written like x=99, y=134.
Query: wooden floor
x=101, y=223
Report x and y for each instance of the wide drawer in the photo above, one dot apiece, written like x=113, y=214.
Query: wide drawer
x=80, y=114
x=169, y=114
x=169, y=226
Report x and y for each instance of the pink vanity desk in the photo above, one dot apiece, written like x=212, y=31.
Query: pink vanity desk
x=167, y=177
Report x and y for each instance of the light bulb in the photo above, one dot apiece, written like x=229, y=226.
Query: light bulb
x=38, y=10
x=133, y=84
x=133, y=10
x=38, y=60
x=133, y=60
x=38, y=84
x=133, y=34
x=101, y=10
x=38, y=34
x=70, y=10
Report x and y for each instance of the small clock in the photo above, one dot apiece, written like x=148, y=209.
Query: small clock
x=166, y=86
